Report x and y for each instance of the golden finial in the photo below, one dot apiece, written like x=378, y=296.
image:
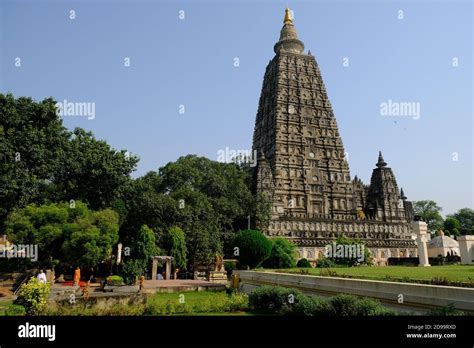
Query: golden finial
x=288, y=18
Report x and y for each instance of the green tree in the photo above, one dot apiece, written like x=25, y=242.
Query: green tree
x=282, y=255
x=451, y=226
x=89, y=240
x=146, y=204
x=200, y=223
x=43, y=162
x=175, y=246
x=225, y=186
x=92, y=171
x=252, y=248
x=143, y=248
x=70, y=233
x=429, y=211
x=208, y=200
x=465, y=216
x=32, y=143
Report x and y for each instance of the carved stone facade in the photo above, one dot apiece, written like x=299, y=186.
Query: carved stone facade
x=302, y=167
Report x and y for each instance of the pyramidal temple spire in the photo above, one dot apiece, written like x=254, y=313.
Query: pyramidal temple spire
x=289, y=41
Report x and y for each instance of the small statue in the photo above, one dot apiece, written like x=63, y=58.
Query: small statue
x=85, y=292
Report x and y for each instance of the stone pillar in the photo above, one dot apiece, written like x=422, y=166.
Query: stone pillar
x=154, y=269
x=420, y=228
x=168, y=269
x=119, y=253
x=466, y=248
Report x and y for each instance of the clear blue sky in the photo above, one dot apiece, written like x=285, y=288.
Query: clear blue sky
x=190, y=62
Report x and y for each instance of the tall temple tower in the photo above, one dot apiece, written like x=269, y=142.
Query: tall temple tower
x=302, y=167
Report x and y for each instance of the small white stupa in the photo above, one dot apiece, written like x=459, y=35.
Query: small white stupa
x=442, y=245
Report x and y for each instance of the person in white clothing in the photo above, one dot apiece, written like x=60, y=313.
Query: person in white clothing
x=42, y=277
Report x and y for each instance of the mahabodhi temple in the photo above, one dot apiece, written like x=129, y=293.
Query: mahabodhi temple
x=303, y=170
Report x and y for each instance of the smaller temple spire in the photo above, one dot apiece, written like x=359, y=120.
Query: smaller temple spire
x=402, y=194
x=289, y=41
x=381, y=163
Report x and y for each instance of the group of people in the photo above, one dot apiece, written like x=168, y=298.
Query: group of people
x=42, y=276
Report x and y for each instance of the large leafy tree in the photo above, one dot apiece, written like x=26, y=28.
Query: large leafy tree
x=145, y=203
x=32, y=150
x=429, y=211
x=92, y=171
x=451, y=226
x=200, y=224
x=224, y=184
x=208, y=200
x=465, y=216
x=73, y=234
x=42, y=162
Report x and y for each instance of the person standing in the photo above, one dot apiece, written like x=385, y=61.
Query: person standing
x=42, y=277
x=77, y=276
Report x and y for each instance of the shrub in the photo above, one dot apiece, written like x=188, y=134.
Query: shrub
x=15, y=310
x=348, y=305
x=115, y=280
x=324, y=262
x=348, y=261
x=282, y=254
x=303, y=263
x=32, y=296
x=311, y=306
x=253, y=246
x=448, y=310
x=131, y=270
x=274, y=298
x=229, y=266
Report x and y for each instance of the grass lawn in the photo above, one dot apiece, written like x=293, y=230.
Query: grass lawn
x=198, y=303
x=464, y=273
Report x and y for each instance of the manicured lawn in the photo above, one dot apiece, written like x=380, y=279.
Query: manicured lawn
x=462, y=273
x=197, y=303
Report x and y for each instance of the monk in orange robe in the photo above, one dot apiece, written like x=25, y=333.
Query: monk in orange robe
x=77, y=276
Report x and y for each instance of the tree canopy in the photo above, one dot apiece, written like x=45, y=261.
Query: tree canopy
x=43, y=162
x=208, y=200
x=70, y=233
x=174, y=243
x=429, y=211
x=465, y=216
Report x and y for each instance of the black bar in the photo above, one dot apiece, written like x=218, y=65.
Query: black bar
x=260, y=330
